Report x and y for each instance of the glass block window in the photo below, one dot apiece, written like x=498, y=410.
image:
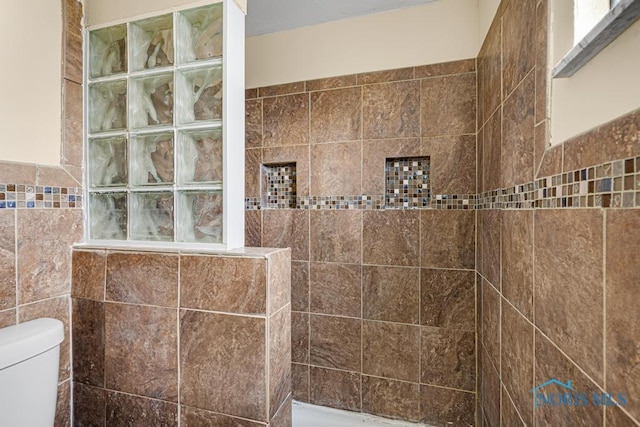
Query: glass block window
x=407, y=182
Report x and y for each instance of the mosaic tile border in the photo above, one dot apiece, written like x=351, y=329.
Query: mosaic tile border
x=22, y=196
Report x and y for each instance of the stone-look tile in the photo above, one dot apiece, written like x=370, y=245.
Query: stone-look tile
x=336, y=115
x=88, y=273
x=447, y=299
x=63, y=405
x=510, y=416
x=391, y=294
x=336, y=168
x=518, y=39
x=391, y=110
x=299, y=337
x=400, y=232
x=517, y=259
x=335, y=289
x=491, y=303
x=126, y=410
x=72, y=123
x=56, y=308
x=253, y=123
x=385, y=76
x=140, y=351
x=374, y=155
x=586, y=150
x=279, y=359
x=622, y=136
x=74, y=171
x=284, y=416
x=452, y=163
x=251, y=93
x=72, y=40
x=448, y=358
x=518, y=134
x=227, y=284
x=7, y=259
x=89, y=406
x=56, y=176
x=517, y=360
x=298, y=155
x=391, y=350
x=568, y=291
x=391, y=399
x=456, y=115
x=300, y=382
x=335, y=342
x=491, y=257
x=194, y=417
x=335, y=389
x=622, y=299
x=44, y=257
x=328, y=244
x=8, y=318
x=490, y=392
x=286, y=120
x=299, y=286
x=284, y=228
x=222, y=364
x=331, y=83
x=283, y=89
x=253, y=228
x=17, y=173
x=252, y=172
x=446, y=68
x=551, y=161
x=139, y=278
x=480, y=161
x=279, y=279
x=448, y=239
x=444, y=407
x=492, y=153
x=550, y=363
x=615, y=417
x=542, y=78
x=541, y=137
x=88, y=341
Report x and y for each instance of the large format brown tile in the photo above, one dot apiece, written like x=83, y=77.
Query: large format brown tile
x=88, y=341
x=222, y=364
x=335, y=389
x=447, y=299
x=331, y=83
x=391, y=350
x=335, y=342
x=615, y=417
x=252, y=171
x=284, y=228
x=88, y=274
x=336, y=169
x=226, y=284
x=299, y=286
x=126, y=410
x=491, y=250
x=386, y=76
x=490, y=321
x=391, y=294
x=194, y=417
x=335, y=289
x=253, y=228
x=142, y=279
x=7, y=259
x=279, y=359
x=300, y=382
x=541, y=60
x=299, y=337
x=568, y=291
x=490, y=73
x=490, y=392
x=518, y=42
x=282, y=89
x=298, y=155
x=335, y=115
x=448, y=358
x=8, y=317
x=72, y=12
x=374, y=155
x=279, y=279
x=446, y=68
x=452, y=163
x=253, y=123
x=286, y=120
x=72, y=124
x=492, y=153
x=622, y=299
x=510, y=416
x=63, y=405
x=448, y=239
x=517, y=259
x=547, y=159
x=445, y=407
x=17, y=173
x=391, y=399
x=399, y=230
x=336, y=236
x=56, y=176
x=89, y=406
x=284, y=415
x=140, y=350
x=448, y=105
x=391, y=110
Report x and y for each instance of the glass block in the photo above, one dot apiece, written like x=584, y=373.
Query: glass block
x=152, y=43
x=200, y=157
x=107, y=162
x=200, y=94
x=108, y=51
x=151, y=101
x=108, y=106
x=152, y=216
x=152, y=159
x=200, y=217
x=108, y=216
x=200, y=33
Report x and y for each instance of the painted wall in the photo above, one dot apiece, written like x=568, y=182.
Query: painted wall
x=30, y=107
x=105, y=11
x=486, y=11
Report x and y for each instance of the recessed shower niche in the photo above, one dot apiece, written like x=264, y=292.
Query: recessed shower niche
x=165, y=149
x=407, y=182
x=279, y=186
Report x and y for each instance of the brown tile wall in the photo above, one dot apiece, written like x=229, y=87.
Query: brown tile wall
x=556, y=298
x=181, y=339
x=382, y=300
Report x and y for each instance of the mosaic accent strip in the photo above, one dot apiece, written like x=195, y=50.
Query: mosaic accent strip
x=19, y=196
x=407, y=182
x=279, y=186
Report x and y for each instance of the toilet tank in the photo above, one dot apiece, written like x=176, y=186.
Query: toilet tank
x=29, y=355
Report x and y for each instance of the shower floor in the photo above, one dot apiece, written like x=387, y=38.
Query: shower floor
x=306, y=415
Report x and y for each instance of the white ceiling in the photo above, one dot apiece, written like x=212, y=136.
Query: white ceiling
x=270, y=16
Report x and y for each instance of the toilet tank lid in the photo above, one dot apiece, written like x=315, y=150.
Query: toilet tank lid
x=28, y=339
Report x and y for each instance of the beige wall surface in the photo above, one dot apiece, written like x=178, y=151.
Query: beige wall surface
x=30, y=102
x=486, y=11
x=99, y=12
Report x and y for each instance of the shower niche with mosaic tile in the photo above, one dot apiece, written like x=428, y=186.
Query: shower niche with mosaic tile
x=278, y=186
x=164, y=147
x=407, y=183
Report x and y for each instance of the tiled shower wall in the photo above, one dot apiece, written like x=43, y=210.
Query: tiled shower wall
x=557, y=285
x=383, y=300
x=35, y=243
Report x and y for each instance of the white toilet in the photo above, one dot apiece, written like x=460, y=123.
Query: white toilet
x=29, y=354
